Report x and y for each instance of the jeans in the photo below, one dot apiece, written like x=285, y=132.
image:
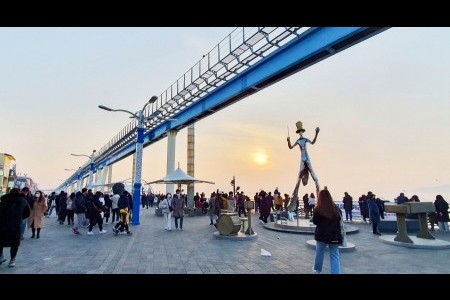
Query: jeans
x=81, y=219
x=115, y=215
x=334, y=257
x=443, y=226
x=168, y=221
x=50, y=211
x=347, y=214
x=375, y=226
x=181, y=222
x=213, y=218
x=23, y=226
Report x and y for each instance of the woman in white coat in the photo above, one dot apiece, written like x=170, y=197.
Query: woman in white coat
x=166, y=205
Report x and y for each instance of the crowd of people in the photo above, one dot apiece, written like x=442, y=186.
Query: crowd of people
x=21, y=209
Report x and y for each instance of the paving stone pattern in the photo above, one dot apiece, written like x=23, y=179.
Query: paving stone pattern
x=152, y=250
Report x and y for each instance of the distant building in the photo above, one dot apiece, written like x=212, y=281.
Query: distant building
x=25, y=181
x=7, y=172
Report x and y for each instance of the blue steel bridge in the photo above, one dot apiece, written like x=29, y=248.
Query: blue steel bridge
x=244, y=62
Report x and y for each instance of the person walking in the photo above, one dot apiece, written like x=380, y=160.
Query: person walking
x=306, y=210
x=165, y=205
x=13, y=209
x=327, y=218
x=144, y=200
x=70, y=213
x=108, y=204
x=442, y=213
x=80, y=210
x=374, y=212
x=240, y=203
x=363, y=208
x=36, y=218
x=231, y=202
x=94, y=209
x=62, y=212
x=124, y=207
x=212, y=209
x=311, y=201
x=51, y=204
x=30, y=199
x=115, y=208
x=264, y=207
x=178, y=209
x=348, y=206
x=278, y=202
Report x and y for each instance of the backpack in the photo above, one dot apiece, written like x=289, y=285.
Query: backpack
x=74, y=203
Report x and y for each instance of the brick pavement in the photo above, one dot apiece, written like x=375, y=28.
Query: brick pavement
x=152, y=250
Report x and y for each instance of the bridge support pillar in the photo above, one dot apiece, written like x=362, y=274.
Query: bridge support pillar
x=110, y=174
x=190, y=164
x=171, y=139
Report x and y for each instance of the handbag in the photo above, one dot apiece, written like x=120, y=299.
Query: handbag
x=170, y=206
x=343, y=233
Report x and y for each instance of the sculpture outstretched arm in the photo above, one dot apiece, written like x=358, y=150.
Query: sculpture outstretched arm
x=315, y=137
x=289, y=143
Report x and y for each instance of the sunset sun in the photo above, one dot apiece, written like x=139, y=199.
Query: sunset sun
x=260, y=158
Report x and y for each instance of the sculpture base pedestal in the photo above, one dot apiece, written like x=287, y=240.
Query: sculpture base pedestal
x=305, y=227
x=416, y=242
x=237, y=237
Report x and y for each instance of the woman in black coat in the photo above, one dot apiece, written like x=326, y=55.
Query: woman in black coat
x=95, y=207
x=13, y=209
x=363, y=208
x=327, y=218
x=442, y=213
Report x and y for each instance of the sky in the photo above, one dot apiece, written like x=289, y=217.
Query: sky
x=382, y=106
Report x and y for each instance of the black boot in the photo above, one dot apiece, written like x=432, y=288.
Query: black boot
x=38, y=232
x=32, y=233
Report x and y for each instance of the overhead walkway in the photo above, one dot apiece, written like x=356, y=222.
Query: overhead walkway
x=246, y=61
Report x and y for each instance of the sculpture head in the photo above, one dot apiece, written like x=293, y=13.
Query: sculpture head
x=300, y=128
x=118, y=188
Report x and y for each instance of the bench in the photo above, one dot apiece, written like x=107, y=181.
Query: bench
x=401, y=210
x=243, y=220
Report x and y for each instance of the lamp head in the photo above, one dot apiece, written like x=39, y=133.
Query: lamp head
x=153, y=99
x=105, y=108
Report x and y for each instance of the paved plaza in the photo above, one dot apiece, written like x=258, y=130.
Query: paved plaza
x=152, y=250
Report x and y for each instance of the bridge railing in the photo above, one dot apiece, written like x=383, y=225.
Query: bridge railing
x=239, y=50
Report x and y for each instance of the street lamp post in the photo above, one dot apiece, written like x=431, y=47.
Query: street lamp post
x=139, y=116
x=78, y=177
x=91, y=167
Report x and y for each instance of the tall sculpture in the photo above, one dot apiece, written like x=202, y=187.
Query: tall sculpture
x=305, y=163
